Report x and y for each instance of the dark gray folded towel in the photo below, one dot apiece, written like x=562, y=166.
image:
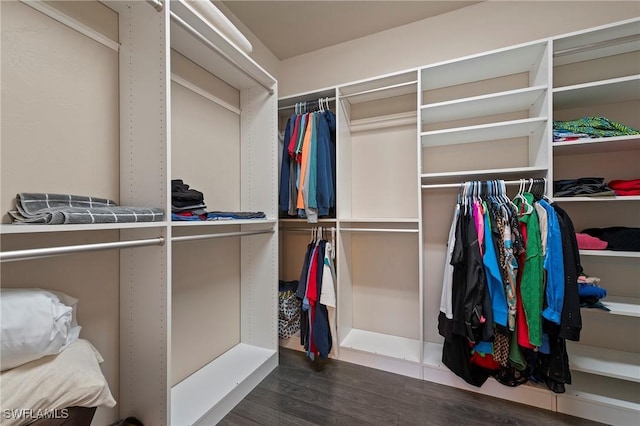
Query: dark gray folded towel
x=57, y=209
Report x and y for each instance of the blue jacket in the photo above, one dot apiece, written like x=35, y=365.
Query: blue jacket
x=554, y=265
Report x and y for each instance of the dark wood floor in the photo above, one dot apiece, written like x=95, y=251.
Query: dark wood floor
x=341, y=393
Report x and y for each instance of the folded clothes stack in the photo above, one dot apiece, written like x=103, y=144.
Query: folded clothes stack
x=187, y=204
x=625, y=187
x=588, y=128
x=186, y=201
x=587, y=242
x=54, y=209
x=591, y=293
x=581, y=187
x=619, y=238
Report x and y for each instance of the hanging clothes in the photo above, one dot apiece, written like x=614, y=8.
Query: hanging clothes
x=317, y=294
x=307, y=172
x=509, y=295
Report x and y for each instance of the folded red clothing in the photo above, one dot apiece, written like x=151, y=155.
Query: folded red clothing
x=587, y=242
x=625, y=187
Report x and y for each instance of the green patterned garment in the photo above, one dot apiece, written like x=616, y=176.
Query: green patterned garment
x=596, y=127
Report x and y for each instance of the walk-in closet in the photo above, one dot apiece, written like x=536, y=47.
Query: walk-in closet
x=195, y=203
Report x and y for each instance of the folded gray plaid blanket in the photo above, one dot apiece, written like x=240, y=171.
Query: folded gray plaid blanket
x=77, y=209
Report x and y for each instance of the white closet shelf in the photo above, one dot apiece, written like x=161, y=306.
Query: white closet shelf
x=429, y=179
x=604, y=362
x=231, y=222
x=214, y=52
x=610, y=253
x=601, y=408
x=37, y=228
x=382, y=344
x=601, y=199
x=624, y=306
x=222, y=382
x=380, y=220
x=623, y=398
x=483, y=132
x=480, y=106
x=597, y=145
x=496, y=63
x=435, y=371
x=615, y=90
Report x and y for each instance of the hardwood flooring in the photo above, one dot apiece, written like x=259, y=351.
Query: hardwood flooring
x=341, y=393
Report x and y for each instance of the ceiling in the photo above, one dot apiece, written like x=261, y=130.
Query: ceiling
x=291, y=28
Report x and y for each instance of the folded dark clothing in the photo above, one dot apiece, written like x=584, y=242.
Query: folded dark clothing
x=180, y=192
x=218, y=215
x=625, y=187
x=593, y=303
x=619, y=238
x=188, y=207
x=584, y=186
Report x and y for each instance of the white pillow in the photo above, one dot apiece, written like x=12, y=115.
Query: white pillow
x=71, y=379
x=34, y=323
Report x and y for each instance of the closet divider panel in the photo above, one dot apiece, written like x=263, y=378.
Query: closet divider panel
x=258, y=192
x=144, y=174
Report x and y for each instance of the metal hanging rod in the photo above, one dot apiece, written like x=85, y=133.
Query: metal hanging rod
x=379, y=230
x=56, y=251
x=597, y=45
x=379, y=89
x=309, y=229
x=157, y=4
x=200, y=91
x=458, y=185
x=224, y=235
x=188, y=28
x=312, y=100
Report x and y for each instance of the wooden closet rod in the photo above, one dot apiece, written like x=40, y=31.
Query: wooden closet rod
x=57, y=251
x=188, y=28
x=224, y=235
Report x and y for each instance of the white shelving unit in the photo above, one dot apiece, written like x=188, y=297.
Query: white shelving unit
x=482, y=117
x=606, y=369
x=152, y=70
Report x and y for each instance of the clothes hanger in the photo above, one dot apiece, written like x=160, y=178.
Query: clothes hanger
x=520, y=195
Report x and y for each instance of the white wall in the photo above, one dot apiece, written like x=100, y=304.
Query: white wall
x=485, y=26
